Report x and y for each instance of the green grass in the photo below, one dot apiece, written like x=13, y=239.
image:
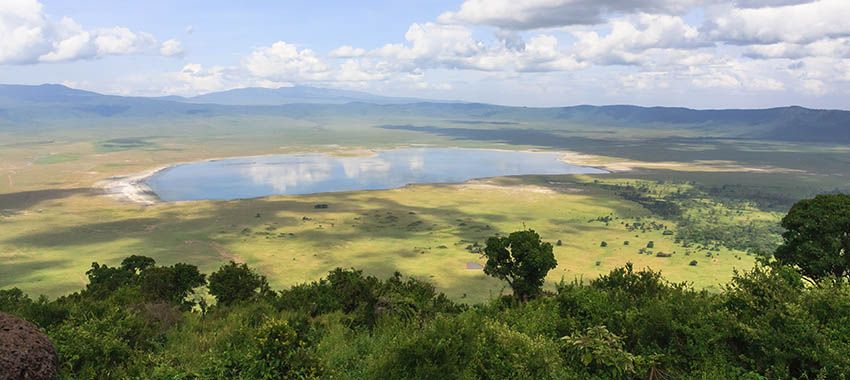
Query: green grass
x=53, y=224
x=422, y=231
x=56, y=158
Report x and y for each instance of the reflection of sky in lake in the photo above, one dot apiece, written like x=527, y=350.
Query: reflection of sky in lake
x=251, y=177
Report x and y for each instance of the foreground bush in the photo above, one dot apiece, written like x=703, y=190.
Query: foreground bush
x=629, y=324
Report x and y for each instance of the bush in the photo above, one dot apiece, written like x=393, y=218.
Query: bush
x=172, y=284
x=467, y=347
x=600, y=352
x=236, y=282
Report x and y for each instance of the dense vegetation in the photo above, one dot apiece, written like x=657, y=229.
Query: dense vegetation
x=706, y=218
x=779, y=320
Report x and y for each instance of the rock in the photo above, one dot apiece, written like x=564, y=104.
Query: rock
x=25, y=352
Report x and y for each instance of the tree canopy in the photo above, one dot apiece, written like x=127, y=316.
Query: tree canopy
x=817, y=236
x=521, y=259
x=235, y=282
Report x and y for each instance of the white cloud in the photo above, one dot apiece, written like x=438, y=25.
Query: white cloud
x=360, y=71
x=630, y=36
x=641, y=50
x=814, y=87
x=800, y=23
x=171, y=48
x=768, y=3
x=22, y=31
x=28, y=36
x=347, y=51
x=284, y=62
x=433, y=45
x=838, y=47
x=535, y=14
x=194, y=78
x=287, y=177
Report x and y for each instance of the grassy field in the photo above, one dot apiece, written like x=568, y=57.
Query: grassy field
x=54, y=222
x=423, y=231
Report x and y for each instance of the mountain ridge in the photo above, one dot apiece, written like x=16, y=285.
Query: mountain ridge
x=23, y=103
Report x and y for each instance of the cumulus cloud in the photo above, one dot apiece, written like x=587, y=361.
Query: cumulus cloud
x=536, y=14
x=837, y=48
x=28, y=36
x=799, y=23
x=768, y=3
x=432, y=45
x=347, y=51
x=284, y=62
x=677, y=46
x=194, y=78
x=630, y=36
x=171, y=48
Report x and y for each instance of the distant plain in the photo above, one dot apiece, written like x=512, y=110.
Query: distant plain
x=55, y=221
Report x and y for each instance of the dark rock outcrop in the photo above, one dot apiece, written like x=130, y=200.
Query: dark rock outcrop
x=25, y=352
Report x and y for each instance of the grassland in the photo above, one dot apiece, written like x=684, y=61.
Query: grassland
x=54, y=222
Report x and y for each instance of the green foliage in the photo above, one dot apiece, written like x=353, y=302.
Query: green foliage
x=172, y=284
x=236, y=282
x=271, y=350
x=470, y=347
x=129, y=323
x=817, y=236
x=283, y=353
x=781, y=329
x=104, y=279
x=737, y=217
x=136, y=263
x=366, y=299
x=521, y=259
x=601, y=352
x=102, y=340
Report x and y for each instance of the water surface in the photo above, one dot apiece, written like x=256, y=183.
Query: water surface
x=251, y=177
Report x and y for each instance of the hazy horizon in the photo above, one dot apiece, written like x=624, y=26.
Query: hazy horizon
x=434, y=100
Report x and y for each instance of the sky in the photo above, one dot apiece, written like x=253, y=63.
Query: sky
x=691, y=53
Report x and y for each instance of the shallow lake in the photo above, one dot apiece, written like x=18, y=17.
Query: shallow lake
x=251, y=177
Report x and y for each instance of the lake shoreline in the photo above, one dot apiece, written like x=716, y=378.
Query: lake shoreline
x=133, y=188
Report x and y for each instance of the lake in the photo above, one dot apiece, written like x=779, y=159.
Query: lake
x=252, y=177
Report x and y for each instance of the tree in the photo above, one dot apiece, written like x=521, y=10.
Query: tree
x=521, y=259
x=817, y=236
x=235, y=282
x=137, y=264
x=172, y=283
x=104, y=279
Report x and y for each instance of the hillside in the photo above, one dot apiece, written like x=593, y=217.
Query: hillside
x=24, y=105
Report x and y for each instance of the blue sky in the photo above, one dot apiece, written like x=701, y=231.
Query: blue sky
x=695, y=53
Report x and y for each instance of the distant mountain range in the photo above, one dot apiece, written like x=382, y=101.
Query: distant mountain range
x=255, y=96
x=22, y=105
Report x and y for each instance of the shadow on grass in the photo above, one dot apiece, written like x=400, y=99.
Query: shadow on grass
x=11, y=271
x=654, y=149
x=23, y=200
x=233, y=221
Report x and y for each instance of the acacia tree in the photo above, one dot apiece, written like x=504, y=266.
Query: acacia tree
x=236, y=282
x=136, y=263
x=172, y=283
x=817, y=236
x=521, y=259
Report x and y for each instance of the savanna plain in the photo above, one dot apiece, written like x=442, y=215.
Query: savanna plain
x=693, y=203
